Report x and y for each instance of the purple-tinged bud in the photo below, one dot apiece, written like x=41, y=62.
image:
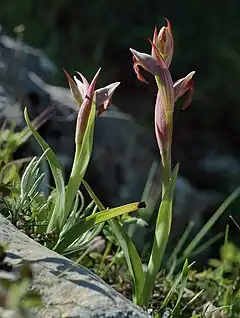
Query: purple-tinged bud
x=164, y=43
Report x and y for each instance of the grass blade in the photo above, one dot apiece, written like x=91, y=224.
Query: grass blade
x=184, y=277
x=211, y=222
x=193, y=299
x=130, y=252
x=173, y=288
x=132, y=258
x=58, y=216
x=180, y=243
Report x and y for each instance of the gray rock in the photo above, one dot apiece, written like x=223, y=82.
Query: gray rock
x=67, y=290
x=17, y=59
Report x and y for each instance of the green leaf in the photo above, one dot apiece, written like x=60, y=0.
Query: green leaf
x=161, y=237
x=59, y=214
x=173, y=288
x=8, y=173
x=16, y=292
x=211, y=222
x=132, y=258
x=192, y=300
x=89, y=222
x=184, y=277
x=130, y=252
x=31, y=300
x=180, y=244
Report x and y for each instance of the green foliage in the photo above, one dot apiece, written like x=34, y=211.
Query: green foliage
x=15, y=292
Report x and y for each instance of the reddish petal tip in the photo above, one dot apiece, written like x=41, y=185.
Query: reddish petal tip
x=67, y=74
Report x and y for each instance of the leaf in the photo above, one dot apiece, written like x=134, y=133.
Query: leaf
x=16, y=292
x=132, y=258
x=89, y=222
x=31, y=300
x=193, y=299
x=173, y=289
x=184, y=277
x=211, y=222
x=180, y=244
x=58, y=216
x=8, y=173
x=130, y=252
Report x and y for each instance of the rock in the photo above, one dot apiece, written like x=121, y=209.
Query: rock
x=67, y=290
x=17, y=59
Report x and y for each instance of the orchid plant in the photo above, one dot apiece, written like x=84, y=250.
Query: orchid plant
x=71, y=224
x=167, y=93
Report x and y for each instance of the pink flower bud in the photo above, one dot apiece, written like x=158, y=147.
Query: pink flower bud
x=164, y=43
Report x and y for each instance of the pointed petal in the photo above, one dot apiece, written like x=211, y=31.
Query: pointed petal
x=74, y=89
x=84, y=111
x=147, y=62
x=82, y=85
x=84, y=80
x=159, y=57
x=169, y=27
x=169, y=45
x=165, y=43
x=137, y=71
x=91, y=87
x=182, y=86
x=103, y=97
x=154, y=41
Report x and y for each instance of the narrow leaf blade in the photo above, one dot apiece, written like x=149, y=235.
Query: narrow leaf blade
x=211, y=222
x=130, y=252
x=58, y=217
x=89, y=222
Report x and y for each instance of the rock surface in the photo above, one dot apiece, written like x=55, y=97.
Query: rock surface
x=67, y=290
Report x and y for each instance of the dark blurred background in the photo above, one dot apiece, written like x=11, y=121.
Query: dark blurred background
x=83, y=35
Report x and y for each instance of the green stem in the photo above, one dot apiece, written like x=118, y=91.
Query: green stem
x=162, y=231
x=160, y=242
x=164, y=219
x=166, y=172
x=166, y=156
x=74, y=183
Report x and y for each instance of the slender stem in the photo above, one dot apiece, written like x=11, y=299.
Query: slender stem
x=73, y=184
x=160, y=242
x=166, y=172
x=164, y=219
